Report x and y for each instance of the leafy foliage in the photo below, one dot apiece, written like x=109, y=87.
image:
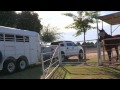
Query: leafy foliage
x=8, y=18
x=28, y=20
x=25, y=20
x=82, y=22
x=49, y=34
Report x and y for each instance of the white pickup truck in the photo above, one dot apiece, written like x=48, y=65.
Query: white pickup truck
x=69, y=48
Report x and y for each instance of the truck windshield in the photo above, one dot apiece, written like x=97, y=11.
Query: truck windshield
x=54, y=43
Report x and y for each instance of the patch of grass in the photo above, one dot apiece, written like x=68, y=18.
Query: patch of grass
x=90, y=71
x=93, y=72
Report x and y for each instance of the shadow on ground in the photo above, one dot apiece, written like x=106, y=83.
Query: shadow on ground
x=60, y=73
x=32, y=72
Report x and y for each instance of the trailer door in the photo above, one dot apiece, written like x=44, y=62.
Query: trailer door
x=33, y=50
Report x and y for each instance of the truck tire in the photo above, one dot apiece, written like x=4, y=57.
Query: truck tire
x=80, y=56
x=9, y=66
x=62, y=56
x=1, y=57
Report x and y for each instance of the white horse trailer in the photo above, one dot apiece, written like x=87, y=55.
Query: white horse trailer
x=18, y=48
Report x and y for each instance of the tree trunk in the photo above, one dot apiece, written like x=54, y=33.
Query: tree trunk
x=84, y=48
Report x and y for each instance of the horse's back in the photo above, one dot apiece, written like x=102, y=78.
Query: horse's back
x=118, y=35
x=113, y=42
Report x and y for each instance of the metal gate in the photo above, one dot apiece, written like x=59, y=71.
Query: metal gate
x=50, y=60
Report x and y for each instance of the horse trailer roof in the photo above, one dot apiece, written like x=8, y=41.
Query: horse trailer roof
x=10, y=30
x=112, y=19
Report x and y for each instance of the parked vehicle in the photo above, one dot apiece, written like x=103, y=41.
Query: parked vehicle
x=18, y=48
x=69, y=48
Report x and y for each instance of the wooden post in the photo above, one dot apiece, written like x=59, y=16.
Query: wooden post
x=103, y=51
x=111, y=35
x=99, y=48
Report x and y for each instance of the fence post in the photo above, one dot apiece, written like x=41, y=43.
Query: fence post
x=59, y=55
x=43, y=70
x=99, y=54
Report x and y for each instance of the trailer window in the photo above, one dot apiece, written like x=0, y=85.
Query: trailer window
x=19, y=38
x=9, y=37
x=26, y=38
x=1, y=37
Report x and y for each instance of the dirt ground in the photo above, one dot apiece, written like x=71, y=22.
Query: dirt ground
x=93, y=52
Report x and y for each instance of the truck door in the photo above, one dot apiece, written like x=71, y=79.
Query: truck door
x=75, y=49
x=69, y=48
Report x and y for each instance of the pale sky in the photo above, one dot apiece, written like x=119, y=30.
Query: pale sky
x=56, y=19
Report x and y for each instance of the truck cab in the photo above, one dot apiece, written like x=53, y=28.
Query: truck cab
x=69, y=48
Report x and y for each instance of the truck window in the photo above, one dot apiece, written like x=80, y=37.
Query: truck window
x=61, y=44
x=54, y=43
x=69, y=44
x=74, y=44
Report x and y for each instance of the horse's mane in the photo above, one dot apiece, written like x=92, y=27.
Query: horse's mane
x=108, y=35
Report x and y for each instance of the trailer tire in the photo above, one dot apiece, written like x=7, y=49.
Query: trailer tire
x=9, y=66
x=21, y=64
x=1, y=57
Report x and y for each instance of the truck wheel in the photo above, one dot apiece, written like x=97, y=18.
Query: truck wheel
x=9, y=66
x=21, y=64
x=62, y=56
x=80, y=55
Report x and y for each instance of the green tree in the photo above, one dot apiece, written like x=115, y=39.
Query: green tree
x=92, y=44
x=29, y=20
x=50, y=34
x=82, y=22
x=96, y=44
x=8, y=18
x=78, y=43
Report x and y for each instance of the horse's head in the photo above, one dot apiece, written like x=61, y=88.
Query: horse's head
x=101, y=34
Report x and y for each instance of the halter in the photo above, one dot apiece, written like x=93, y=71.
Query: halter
x=102, y=34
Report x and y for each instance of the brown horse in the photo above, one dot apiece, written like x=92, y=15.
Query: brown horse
x=109, y=43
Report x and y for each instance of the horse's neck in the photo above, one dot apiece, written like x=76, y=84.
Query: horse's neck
x=108, y=36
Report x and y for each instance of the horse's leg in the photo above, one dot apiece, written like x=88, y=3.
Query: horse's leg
x=117, y=52
x=109, y=55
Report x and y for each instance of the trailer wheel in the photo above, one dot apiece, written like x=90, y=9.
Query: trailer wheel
x=9, y=66
x=21, y=64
